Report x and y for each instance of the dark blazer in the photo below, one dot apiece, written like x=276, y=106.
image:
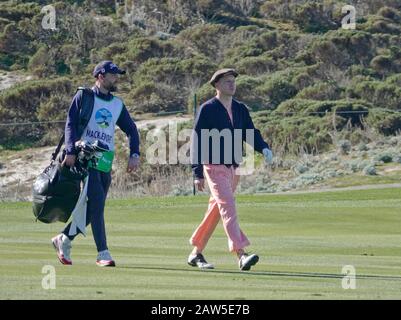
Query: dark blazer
x=213, y=115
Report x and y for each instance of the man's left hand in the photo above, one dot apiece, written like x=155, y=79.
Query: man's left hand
x=268, y=155
x=133, y=164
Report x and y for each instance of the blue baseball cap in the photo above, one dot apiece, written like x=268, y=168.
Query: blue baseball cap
x=107, y=67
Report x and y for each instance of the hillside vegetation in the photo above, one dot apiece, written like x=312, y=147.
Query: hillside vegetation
x=297, y=64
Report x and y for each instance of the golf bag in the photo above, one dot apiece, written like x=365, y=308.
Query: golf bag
x=56, y=190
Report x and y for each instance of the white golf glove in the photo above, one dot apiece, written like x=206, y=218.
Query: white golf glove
x=267, y=153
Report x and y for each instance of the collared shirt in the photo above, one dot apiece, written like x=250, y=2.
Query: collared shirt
x=125, y=123
x=213, y=115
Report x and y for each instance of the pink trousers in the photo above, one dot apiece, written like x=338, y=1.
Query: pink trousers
x=222, y=182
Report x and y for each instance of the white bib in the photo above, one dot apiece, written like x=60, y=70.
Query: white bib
x=103, y=120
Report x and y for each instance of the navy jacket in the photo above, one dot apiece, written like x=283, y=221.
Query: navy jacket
x=213, y=115
x=125, y=122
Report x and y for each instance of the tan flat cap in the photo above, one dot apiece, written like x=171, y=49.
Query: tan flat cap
x=221, y=73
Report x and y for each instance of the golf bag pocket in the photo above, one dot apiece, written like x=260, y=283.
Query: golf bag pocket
x=54, y=193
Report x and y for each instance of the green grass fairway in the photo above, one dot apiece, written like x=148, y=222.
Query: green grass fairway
x=303, y=241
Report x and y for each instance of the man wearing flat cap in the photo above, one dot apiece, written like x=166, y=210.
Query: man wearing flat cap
x=107, y=111
x=212, y=162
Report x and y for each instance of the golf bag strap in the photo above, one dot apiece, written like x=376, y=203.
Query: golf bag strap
x=86, y=108
x=55, y=153
x=85, y=113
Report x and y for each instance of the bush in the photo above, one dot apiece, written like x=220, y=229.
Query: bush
x=390, y=13
x=6, y=61
x=380, y=94
x=385, y=122
x=23, y=103
x=382, y=64
x=310, y=16
x=277, y=89
x=320, y=91
x=296, y=134
x=179, y=190
x=362, y=147
x=246, y=91
x=348, y=111
x=394, y=80
x=256, y=65
x=308, y=179
x=15, y=45
x=370, y=170
x=302, y=80
x=175, y=71
x=40, y=64
x=382, y=26
x=18, y=11
x=353, y=166
x=152, y=97
x=386, y=158
x=205, y=39
x=292, y=107
x=327, y=52
x=344, y=146
x=300, y=168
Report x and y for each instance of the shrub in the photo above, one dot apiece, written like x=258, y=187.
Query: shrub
x=344, y=146
x=296, y=134
x=15, y=44
x=293, y=106
x=394, y=141
x=381, y=94
x=256, y=65
x=390, y=13
x=300, y=168
x=330, y=173
x=206, y=39
x=310, y=16
x=383, y=26
x=246, y=91
x=362, y=147
x=370, y=170
x=382, y=64
x=6, y=61
x=277, y=89
x=394, y=80
x=302, y=81
x=320, y=91
x=385, y=122
x=40, y=64
x=22, y=102
x=327, y=52
x=308, y=179
x=156, y=97
x=353, y=166
x=386, y=157
x=18, y=11
x=180, y=190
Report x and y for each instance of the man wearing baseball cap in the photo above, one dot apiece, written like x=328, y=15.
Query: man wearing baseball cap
x=222, y=113
x=108, y=111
